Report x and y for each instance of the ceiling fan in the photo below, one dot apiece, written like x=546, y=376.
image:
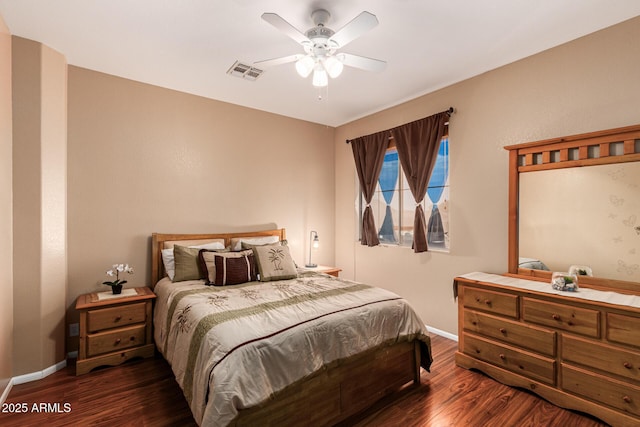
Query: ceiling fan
x=321, y=46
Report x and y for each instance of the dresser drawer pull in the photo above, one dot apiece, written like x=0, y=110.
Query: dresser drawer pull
x=503, y=331
x=117, y=341
x=555, y=317
x=627, y=399
x=502, y=356
x=627, y=365
x=117, y=319
x=486, y=301
x=132, y=339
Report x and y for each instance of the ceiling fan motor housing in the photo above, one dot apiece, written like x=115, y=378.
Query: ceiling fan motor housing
x=320, y=34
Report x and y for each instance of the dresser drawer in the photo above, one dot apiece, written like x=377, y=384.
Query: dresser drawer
x=494, y=302
x=601, y=356
x=118, y=339
x=611, y=392
x=107, y=318
x=537, y=339
x=623, y=329
x=561, y=316
x=535, y=367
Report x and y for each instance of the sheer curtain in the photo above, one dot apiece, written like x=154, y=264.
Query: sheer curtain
x=388, y=181
x=417, y=144
x=437, y=181
x=368, y=153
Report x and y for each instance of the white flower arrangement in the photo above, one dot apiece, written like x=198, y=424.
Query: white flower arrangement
x=115, y=270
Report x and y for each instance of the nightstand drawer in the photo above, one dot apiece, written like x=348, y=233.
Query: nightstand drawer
x=114, y=317
x=118, y=339
x=573, y=319
x=537, y=339
x=493, y=302
x=518, y=361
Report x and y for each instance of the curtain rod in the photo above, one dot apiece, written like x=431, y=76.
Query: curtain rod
x=450, y=111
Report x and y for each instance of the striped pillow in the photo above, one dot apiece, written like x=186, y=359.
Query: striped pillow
x=234, y=270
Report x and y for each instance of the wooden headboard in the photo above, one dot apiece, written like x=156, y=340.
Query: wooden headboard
x=158, y=243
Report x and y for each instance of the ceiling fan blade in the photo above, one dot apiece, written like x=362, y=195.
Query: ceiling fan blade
x=354, y=29
x=278, y=61
x=362, y=62
x=282, y=25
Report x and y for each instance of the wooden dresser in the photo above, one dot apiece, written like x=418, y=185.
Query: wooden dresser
x=577, y=353
x=115, y=330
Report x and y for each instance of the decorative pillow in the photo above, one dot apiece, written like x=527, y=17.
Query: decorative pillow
x=236, y=242
x=208, y=261
x=274, y=263
x=186, y=262
x=233, y=271
x=247, y=245
x=169, y=261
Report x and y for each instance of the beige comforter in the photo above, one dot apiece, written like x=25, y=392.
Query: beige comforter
x=233, y=347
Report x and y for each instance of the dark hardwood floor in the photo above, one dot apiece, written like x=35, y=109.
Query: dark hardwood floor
x=144, y=393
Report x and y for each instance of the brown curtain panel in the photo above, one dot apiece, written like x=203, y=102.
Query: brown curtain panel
x=417, y=144
x=368, y=153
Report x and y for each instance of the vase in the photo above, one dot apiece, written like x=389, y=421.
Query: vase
x=116, y=289
x=563, y=281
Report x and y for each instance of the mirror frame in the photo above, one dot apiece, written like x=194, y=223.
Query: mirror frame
x=588, y=149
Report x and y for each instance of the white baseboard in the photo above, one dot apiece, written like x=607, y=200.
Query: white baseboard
x=442, y=333
x=34, y=376
x=6, y=391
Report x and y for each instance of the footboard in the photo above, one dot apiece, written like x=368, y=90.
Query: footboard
x=338, y=392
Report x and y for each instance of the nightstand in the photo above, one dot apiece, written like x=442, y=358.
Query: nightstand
x=114, y=329
x=332, y=271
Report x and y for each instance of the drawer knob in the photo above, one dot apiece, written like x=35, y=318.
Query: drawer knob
x=132, y=338
x=117, y=319
x=555, y=317
x=502, y=356
x=117, y=341
x=627, y=399
x=503, y=330
x=627, y=365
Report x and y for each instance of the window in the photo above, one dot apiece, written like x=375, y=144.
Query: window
x=393, y=204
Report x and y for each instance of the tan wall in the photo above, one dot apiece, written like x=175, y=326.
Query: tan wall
x=585, y=85
x=39, y=225
x=6, y=213
x=144, y=159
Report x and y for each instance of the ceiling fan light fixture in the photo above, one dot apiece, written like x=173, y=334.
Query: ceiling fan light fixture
x=320, y=44
x=333, y=66
x=320, y=78
x=305, y=65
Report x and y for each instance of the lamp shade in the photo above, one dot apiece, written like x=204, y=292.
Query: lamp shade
x=333, y=66
x=320, y=78
x=305, y=65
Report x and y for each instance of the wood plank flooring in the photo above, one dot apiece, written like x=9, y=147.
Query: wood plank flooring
x=144, y=393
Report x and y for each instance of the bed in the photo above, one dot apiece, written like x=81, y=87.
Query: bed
x=311, y=349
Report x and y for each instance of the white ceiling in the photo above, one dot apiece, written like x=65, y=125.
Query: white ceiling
x=188, y=45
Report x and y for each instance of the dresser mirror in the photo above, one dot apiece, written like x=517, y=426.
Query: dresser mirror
x=576, y=201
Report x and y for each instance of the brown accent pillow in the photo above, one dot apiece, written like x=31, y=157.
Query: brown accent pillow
x=208, y=261
x=233, y=271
